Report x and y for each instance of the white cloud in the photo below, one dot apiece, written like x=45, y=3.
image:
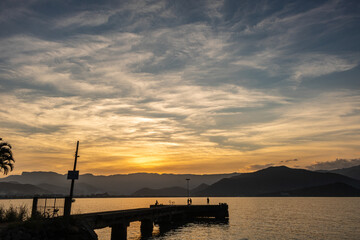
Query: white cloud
x=85, y=18
x=315, y=65
x=177, y=86
x=337, y=164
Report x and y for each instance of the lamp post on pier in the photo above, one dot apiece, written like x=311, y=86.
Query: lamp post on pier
x=188, y=190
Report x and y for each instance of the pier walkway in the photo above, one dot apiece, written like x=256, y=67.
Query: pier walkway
x=165, y=216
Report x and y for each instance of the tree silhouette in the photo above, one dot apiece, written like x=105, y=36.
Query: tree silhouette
x=6, y=157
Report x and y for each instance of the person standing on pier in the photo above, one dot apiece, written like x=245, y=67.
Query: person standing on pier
x=208, y=200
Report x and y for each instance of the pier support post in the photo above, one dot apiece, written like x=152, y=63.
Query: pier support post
x=119, y=231
x=222, y=212
x=146, y=227
x=165, y=224
x=34, y=211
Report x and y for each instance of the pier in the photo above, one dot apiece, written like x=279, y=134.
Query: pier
x=165, y=216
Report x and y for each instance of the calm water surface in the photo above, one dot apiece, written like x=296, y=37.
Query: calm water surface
x=250, y=218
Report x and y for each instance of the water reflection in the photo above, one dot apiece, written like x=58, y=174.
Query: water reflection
x=250, y=218
x=205, y=222
x=173, y=229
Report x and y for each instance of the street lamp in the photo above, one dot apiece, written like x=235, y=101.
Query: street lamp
x=188, y=191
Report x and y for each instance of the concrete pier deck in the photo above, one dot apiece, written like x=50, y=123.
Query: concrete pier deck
x=163, y=215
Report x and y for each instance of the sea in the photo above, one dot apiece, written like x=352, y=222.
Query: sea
x=250, y=218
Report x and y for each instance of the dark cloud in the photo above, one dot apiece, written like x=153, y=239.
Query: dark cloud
x=226, y=142
x=256, y=167
x=35, y=128
x=245, y=118
x=289, y=160
x=251, y=29
x=337, y=164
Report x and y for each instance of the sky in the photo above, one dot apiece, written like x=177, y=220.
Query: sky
x=180, y=86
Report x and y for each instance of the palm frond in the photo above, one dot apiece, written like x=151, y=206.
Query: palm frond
x=6, y=157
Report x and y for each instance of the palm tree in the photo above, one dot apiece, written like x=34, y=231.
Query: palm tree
x=6, y=157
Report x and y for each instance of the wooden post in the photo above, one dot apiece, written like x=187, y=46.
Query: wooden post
x=67, y=206
x=119, y=231
x=34, y=211
x=146, y=227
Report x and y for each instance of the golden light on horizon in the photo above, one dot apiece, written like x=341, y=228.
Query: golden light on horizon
x=195, y=97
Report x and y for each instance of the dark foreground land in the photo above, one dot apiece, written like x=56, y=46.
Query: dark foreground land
x=81, y=226
x=46, y=229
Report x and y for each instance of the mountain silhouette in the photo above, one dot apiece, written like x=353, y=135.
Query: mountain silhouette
x=353, y=172
x=275, y=181
x=12, y=189
x=162, y=192
x=169, y=192
x=272, y=180
x=329, y=190
x=119, y=184
x=199, y=188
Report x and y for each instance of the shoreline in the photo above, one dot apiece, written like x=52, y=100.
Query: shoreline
x=31, y=197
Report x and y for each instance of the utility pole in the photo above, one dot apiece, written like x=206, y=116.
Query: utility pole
x=74, y=172
x=73, y=175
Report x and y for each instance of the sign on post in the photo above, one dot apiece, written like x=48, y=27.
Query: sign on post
x=73, y=175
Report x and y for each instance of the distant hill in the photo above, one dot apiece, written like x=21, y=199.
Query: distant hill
x=36, y=178
x=127, y=184
x=353, y=172
x=272, y=180
x=199, y=188
x=80, y=189
x=120, y=184
x=163, y=192
x=54, y=189
x=17, y=189
x=168, y=192
x=328, y=190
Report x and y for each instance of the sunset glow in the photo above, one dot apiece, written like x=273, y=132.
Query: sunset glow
x=204, y=87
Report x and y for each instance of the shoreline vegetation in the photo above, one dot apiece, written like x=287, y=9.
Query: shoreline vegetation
x=13, y=214
x=16, y=224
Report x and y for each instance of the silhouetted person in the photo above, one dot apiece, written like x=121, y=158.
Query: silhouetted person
x=190, y=201
x=156, y=203
x=208, y=200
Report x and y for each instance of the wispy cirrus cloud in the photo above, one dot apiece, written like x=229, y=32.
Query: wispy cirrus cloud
x=318, y=65
x=163, y=84
x=83, y=19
